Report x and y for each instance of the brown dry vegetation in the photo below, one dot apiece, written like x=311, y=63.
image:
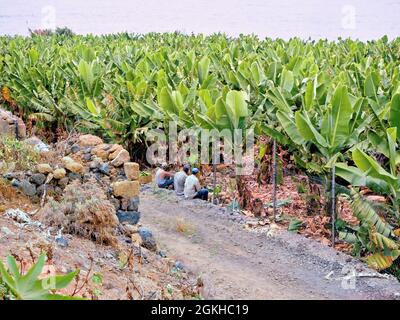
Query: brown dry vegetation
x=85, y=211
x=10, y=198
x=128, y=272
x=307, y=206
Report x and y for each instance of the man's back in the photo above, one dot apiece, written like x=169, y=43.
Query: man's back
x=160, y=176
x=192, y=185
x=179, y=182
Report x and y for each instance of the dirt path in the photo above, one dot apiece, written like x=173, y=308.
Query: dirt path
x=236, y=263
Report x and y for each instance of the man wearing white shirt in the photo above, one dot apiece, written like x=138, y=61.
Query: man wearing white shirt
x=193, y=189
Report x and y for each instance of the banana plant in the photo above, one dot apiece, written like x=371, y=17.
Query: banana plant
x=29, y=286
x=374, y=236
x=368, y=172
x=36, y=80
x=228, y=111
x=330, y=136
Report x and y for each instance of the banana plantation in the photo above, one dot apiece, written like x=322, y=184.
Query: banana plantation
x=334, y=106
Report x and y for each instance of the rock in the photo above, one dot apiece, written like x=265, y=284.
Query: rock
x=148, y=240
x=122, y=157
x=105, y=180
x=59, y=173
x=5, y=128
x=114, y=173
x=27, y=188
x=74, y=176
x=15, y=183
x=104, y=168
x=179, y=265
x=50, y=177
x=37, y=144
x=124, y=204
x=133, y=204
x=67, y=159
x=11, y=125
x=63, y=182
x=102, y=154
x=72, y=165
x=102, y=151
x=95, y=176
x=130, y=204
x=87, y=150
x=87, y=176
x=21, y=129
x=40, y=190
x=57, y=190
x=10, y=175
x=136, y=239
x=94, y=165
x=131, y=170
x=62, y=242
x=38, y=178
x=75, y=149
x=129, y=217
x=89, y=140
x=87, y=157
x=116, y=203
x=114, y=151
x=129, y=229
x=44, y=168
x=145, y=179
x=125, y=189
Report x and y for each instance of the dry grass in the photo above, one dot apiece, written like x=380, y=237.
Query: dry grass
x=11, y=198
x=184, y=227
x=84, y=211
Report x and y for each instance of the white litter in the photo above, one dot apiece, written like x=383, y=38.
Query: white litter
x=21, y=217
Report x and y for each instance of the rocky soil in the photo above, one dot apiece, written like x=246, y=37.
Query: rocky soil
x=127, y=271
x=80, y=205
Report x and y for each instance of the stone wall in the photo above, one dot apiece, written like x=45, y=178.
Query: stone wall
x=11, y=125
x=85, y=159
x=88, y=159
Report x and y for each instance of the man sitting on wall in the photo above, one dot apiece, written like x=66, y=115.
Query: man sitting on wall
x=164, y=179
x=180, y=179
x=193, y=189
